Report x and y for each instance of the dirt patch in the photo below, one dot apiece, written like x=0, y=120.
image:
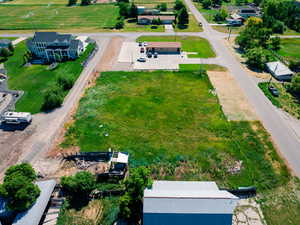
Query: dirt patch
x=232, y=99
x=235, y=52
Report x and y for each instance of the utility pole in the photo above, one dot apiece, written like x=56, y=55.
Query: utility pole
x=229, y=32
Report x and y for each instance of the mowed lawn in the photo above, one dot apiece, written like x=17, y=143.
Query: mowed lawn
x=32, y=17
x=36, y=79
x=290, y=48
x=197, y=45
x=33, y=2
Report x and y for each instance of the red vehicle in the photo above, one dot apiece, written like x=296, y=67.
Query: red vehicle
x=142, y=50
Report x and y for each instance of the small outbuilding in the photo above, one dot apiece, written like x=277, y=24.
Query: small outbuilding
x=148, y=19
x=188, y=203
x=164, y=47
x=279, y=71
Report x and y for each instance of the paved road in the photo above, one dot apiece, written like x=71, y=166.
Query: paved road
x=278, y=126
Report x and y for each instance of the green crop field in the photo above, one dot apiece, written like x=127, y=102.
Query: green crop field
x=36, y=79
x=31, y=17
x=290, y=48
x=197, y=45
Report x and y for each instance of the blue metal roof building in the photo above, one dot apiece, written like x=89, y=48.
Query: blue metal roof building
x=187, y=203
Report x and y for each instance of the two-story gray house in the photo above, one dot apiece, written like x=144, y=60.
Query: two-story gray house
x=51, y=46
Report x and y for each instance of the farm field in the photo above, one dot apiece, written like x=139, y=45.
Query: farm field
x=173, y=123
x=31, y=17
x=36, y=2
x=198, y=45
x=290, y=48
x=36, y=79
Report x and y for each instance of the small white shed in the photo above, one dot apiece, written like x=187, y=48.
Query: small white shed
x=279, y=71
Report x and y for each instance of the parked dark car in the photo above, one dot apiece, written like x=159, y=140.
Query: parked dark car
x=140, y=44
x=155, y=55
x=274, y=91
x=142, y=50
x=149, y=54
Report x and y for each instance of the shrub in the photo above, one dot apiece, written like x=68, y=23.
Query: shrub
x=72, y=2
x=120, y=23
x=85, y=2
x=295, y=65
x=257, y=57
x=53, y=98
x=295, y=85
x=66, y=82
x=206, y=4
x=220, y=15
x=4, y=52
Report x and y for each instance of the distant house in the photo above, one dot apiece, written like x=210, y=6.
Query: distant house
x=148, y=19
x=51, y=46
x=279, y=71
x=35, y=214
x=5, y=43
x=243, y=12
x=164, y=47
x=188, y=203
x=142, y=10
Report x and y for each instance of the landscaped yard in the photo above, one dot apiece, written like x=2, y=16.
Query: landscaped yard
x=172, y=123
x=197, y=45
x=36, y=79
x=290, y=48
x=32, y=17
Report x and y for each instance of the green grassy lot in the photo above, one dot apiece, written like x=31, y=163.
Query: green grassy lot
x=197, y=67
x=286, y=100
x=290, y=48
x=9, y=38
x=189, y=44
x=35, y=80
x=165, y=119
x=172, y=123
x=31, y=17
x=193, y=26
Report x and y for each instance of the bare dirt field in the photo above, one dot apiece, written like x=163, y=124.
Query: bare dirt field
x=232, y=99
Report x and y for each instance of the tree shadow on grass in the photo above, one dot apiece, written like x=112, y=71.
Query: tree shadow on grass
x=78, y=203
x=182, y=26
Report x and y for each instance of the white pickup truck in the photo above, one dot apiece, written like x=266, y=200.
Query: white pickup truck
x=17, y=117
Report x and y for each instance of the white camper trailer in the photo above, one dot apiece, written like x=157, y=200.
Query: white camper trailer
x=17, y=117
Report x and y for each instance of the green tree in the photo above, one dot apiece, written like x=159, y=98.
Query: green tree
x=254, y=35
x=162, y=7
x=295, y=65
x=85, y=2
x=66, y=82
x=257, y=57
x=275, y=43
x=178, y=5
x=53, y=98
x=221, y=15
x=79, y=186
x=120, y=23
x=132, y=10
x=295, y=85
x=131, y=203
x=216, y=2
x=18, y=187
x=183, y=16
x=206, y=4
x=124, y=9
x=4, y=52
x=72, y=2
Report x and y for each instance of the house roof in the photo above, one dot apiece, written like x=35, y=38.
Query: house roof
x=163, y=45
x=187, y=197
x=33, y=215
x=5, y=41
x=151, y=17
x=278, y=68
x=186, y=189
x=51, y=37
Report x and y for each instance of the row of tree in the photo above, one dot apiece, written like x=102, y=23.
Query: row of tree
x=277, y=13
x=256, y=42
x=83, y=2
